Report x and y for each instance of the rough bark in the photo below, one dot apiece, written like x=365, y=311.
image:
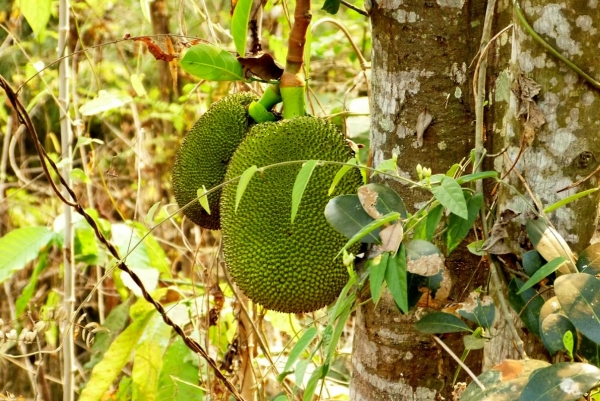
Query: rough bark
x=421, y=56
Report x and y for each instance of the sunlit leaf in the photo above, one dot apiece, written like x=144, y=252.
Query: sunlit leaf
x=340, y=174
x=552, y=331
x=178, y=369
x=300, y=185
x=239, y=25
x=21, y=246
x=565, y=381
x=37, y=13
x=104, y=102
x=377, y=267
x=149, y=219
x=212, y=63
x=300, y=346
x=450, y=195
x=542, y=273
x=579, y=297
x=243, y=184
x=203, y=199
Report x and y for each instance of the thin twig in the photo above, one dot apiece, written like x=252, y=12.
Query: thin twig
x=461, y=363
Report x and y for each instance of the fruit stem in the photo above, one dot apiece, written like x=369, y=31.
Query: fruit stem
x=271, y=97
x=292, y=82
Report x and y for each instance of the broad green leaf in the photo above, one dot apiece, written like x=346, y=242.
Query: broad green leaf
x=137, y=84
x=115, y=323
x=568, y=200
x=395, y=278
x=552, y=331
x=377, y=270
x=503, y=382
x=347, y=216
x=589, y=260
x=564, y=381
x=37, y=13
x=203, y=199
x=579, y=297
x=331, y=6
x=527, y=304
x=145, y=6
x=458, y=228
x=433, y=221
x=300, y=185
x=452, y=170
x=180, y=366
x=340, y=174
x=532, y=261
x=128, y=243
x=304, y=341
x=148, y=359
x=85, y=141
x=149, y=219
x=115, y=358
x=104, y=102
x=239, y=25
x=542, y=273
x=475, y=247
x=212, y=63
x=450, y=195
x=386, y=199
x=472, y=343
x=370, y=228
x=478, y=309
x=21, y=246
x=388, y=166
x=243, y=184
x=476, y=176
x=29, y=289
x=441, y=322
x=590, y=350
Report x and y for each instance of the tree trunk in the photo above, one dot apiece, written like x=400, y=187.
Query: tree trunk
x=421, y=56
x=422, y=59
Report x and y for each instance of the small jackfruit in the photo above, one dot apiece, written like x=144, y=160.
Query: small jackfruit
x=204, y=153
x=284, y=266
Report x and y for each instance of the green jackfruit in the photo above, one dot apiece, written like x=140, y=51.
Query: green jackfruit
x=284, y=266
x=204, y=153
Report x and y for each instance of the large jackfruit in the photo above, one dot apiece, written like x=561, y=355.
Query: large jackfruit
x=204, y=153
x=284, y=266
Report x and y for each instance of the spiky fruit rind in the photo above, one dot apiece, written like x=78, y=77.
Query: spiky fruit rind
x=283, y=266
x=204, y=153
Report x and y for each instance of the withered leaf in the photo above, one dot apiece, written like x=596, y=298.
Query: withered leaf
x=391, y=237
x=263, y=66
x=368, y=200
x=155, y=49
x=423, y=122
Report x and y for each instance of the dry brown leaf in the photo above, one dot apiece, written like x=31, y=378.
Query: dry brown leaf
x=368, y=200
x=423, y=121
x=391, y=237
x=263, y=66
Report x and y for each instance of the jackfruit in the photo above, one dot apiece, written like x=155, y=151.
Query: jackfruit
x=204, y=153
x=284, y=266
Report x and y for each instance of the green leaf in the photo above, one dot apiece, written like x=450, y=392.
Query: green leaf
x=370, y=228
x=589, y=350
x=569, y=199
x=527, y=304
x=347, y=216
x=179, y=367
x=148, y=359
x=552, y=331
x=589, y=260
x=569, y=342
x=564, y=381
x=29, y=290
x=480, y=310
x=450, y=195
x=395, y=278
x=115, y=323
x=542, y=273
x=458, y=228
x=149, y=219
x=145, y=6
x=331, y=6
x=78, y=175
x=476, y=176
x=387, y=201
x=475, y=247
x=212, y=63
x=311, y=386
x=21, y=246
x=115, y=358
x=532, y=261
x=37, y=13
x=203, y=199
x=377, y=268
x=304, y=341
x=239, y=25
x=104, y=102
x=440, y=323
x=300, y=185
x=243, y=184
x=433, y=220
x=579, y=297
x=340, y=174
